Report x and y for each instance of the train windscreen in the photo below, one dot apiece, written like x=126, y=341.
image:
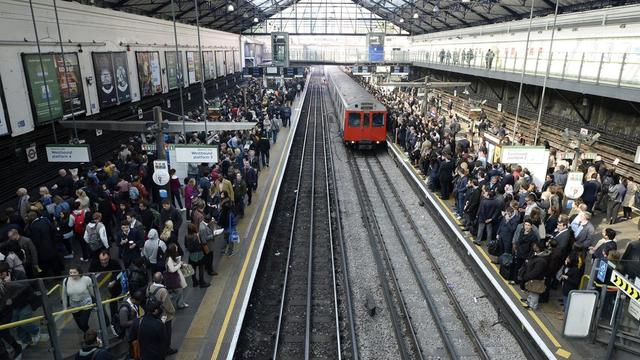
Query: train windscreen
x=378, y=119
x=367, y=120
x=354, y=119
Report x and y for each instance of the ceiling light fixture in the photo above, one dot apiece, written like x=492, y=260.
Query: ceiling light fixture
x=401, y=20
x=230, y=8
x=255, y=20
x=415, y=15
x=436, y=9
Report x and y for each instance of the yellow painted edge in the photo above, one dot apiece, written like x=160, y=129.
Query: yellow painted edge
x=563, y=353
x=236, y=291
x=533, y=315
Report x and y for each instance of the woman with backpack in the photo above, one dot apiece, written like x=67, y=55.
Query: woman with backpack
x=194, y=244
x=78, y=219
x=77, y=290
x=153, y=251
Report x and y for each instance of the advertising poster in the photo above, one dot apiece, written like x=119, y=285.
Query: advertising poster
x=149, y=73
x=73, y=97
x=193, y=67
x=174, y=67
x=229, y=61
x=220, y=70
x=44, y=88
x=121, y=69
x=4, y=129
x=105, y=80
x=209, y=65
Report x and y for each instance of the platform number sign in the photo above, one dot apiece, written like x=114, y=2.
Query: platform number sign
x=626, y=286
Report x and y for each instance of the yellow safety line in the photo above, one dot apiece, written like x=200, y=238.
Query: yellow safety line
x=236, y=291
x=533, y=315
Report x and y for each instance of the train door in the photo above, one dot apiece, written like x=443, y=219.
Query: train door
x=365, y=132
x=353, y=128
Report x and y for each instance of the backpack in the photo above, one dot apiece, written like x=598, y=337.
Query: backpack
x=134, y=193
x=116, y=319
x=93, y=237
x=193, y=244
x=79, y=221
x=137, y=280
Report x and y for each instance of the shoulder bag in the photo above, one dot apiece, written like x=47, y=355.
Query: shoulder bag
x=535, y=286
x=135, y=344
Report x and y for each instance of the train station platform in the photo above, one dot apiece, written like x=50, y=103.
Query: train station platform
x=211, y=328
x=544, y=326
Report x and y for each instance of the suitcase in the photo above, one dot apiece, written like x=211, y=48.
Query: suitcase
x=506, y=266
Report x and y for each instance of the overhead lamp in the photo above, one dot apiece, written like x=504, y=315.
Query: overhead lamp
x=401, y=20
x=436, y=8
x=230, y=8
x=415, y=15
x=255, y=20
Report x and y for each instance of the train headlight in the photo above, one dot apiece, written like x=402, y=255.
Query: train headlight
x=377, y=142
x=353, y=142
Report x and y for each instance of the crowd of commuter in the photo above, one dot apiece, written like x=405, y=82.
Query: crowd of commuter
x=541, y=239
x=110, y=221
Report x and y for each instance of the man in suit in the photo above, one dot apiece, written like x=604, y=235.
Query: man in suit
x=591, y=189
x=130, y=243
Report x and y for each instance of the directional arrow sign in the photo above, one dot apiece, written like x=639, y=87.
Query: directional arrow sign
x=626, y=286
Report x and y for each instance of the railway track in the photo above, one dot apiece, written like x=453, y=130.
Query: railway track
x=416, y=287
x=309, y=319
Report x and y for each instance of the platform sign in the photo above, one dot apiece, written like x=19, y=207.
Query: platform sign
x=196, y=153
x=626, y=286
x=68, y=153
x=401, y=70
x=534, y=158
x=581, y=306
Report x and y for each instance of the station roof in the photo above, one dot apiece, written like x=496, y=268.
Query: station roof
x=411, y=16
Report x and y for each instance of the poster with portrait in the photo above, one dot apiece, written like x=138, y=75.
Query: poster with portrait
x=148, y=63
x=220, y=69
x=193, y=67
x=209, y=65
x=121, y=69
x=229, y=61
x=105, y=80
x=71, y=86
x=174, y=69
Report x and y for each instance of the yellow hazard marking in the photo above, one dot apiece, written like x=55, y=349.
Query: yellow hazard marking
x=563, y=353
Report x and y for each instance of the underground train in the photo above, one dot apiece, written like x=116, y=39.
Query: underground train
x=362, y=118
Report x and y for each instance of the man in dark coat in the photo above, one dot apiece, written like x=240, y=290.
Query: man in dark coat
x=150, y=332
x=447, y=166
x=41, y=232
x=591, y=189
x=251, y=178
x=472, y=203
x=130, y=243
x=488, y=214
x=168, y=212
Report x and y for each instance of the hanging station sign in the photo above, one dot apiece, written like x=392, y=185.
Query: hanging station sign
x=55, y=85
x=68, y=153
x=196, y=154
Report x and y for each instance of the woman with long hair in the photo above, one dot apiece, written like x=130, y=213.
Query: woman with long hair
x=77, y=290
x=174, y=280
x=194, y=244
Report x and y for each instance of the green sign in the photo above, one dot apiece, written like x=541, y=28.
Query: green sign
x=44, y=88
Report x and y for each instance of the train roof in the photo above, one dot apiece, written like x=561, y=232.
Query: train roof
x=352, y=93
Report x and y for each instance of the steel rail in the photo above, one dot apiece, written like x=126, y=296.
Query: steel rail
x=295, y=211
x=307, y=331
x=327, y=159
x=438, y=271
